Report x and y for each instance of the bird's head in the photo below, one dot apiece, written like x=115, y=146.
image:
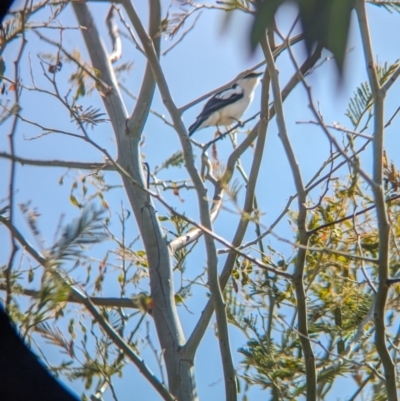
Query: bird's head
x=250, y=81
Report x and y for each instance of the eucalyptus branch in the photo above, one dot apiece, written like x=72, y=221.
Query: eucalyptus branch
x=48, y=130
x=191, y=236
x=21, y=239
x=129, y=29
x=332, y=139
x=269, y=230
x=312, y=183
x=320, y=122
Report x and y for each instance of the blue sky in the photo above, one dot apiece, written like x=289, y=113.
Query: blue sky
x=206, y=59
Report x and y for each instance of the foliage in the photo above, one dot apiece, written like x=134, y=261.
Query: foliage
x=192, y=226
x=327, y=23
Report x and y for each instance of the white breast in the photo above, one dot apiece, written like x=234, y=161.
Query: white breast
x=233, y=112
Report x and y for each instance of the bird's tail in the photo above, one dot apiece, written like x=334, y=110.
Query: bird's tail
x=195, y=126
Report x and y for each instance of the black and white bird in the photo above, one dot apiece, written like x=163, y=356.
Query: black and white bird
x=228, y=106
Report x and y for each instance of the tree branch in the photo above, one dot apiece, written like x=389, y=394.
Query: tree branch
x=170, y=333
x=141, y=111
x=106, y=166
x=309, y=359
x=85, y=300
x=107, y=302
x=378, y=95
x=202, y=324
x=11, y=140
x=212, y=260
x=198, y=333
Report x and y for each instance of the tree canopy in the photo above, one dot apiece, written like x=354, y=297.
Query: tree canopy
x=255, y=260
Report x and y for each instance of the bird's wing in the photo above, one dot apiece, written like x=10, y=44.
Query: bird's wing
x=222, y=99
x=217, y=102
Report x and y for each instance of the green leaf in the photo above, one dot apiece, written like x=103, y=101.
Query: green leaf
x=86, y=230
x=325, y=22
x=340, y=347
x=31, y=275
x=74, y=201
x=2, y=67
x=264, y=17
x=391, y=6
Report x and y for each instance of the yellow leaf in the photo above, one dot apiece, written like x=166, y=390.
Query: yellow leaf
x=74, y=201
x=31, y=275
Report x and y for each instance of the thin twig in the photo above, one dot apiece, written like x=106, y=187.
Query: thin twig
x=205, y=218
x=106, y=166
x=298, y=281
x=378, y=95
x=165, y=52
x=114, y=35
x=11, y=140
x=85, y=300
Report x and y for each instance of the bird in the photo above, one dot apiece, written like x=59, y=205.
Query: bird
x=227, y=106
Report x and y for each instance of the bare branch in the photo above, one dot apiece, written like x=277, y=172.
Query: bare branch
x=11, y=141
x=107, y=302
x=202, y=324
x=165, y=52
x=212, y=260
x=106, y=166
x=378, y=94
x=114, y=35
x=309, y=359
x=136, y=121
x=165, y=313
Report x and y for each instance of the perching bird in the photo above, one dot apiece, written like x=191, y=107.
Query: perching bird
x=227, y=107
